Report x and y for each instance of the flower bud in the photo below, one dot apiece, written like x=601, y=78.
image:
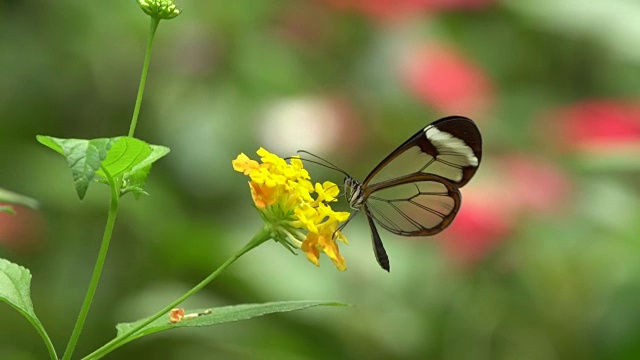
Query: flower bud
x=160, y=9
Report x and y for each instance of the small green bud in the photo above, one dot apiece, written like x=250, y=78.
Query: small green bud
x=160, y=9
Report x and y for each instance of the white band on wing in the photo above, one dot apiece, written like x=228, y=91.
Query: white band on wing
x=445, y=142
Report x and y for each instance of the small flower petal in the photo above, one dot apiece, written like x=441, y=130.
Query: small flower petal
x=272, y=159
x=307, y=216
x=263, y=196
x=325, y=242
x=244, y=165
x=327, y=191
x=310, y=249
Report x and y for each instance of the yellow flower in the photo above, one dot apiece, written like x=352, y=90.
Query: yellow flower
x=283, y=194
x=245, y=165
x=329, y=246
x=328, y=191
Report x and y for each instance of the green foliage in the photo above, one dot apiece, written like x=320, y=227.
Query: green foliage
x=136, y=177
x=15, y=290
x=221, y=315
x=83, y=156
x=123, y=155
x=108, y=158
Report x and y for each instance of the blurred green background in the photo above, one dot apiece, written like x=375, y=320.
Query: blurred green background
x=541, y=263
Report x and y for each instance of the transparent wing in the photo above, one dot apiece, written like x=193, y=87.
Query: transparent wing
x=450, y=148
x=415, y=205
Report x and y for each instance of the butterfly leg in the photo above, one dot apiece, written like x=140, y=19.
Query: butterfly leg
x=344, y=224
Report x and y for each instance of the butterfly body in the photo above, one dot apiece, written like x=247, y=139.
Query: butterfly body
x=355, y=197
x=414, y=190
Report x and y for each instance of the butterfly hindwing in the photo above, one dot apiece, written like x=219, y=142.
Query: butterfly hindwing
x=414, y=205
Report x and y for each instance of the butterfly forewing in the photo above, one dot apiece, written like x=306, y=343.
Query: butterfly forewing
x=418, y=205
x=450, y=147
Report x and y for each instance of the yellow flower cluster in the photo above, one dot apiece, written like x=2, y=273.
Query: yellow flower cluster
x=282, y=193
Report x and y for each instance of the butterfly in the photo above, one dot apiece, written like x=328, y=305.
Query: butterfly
x=415, y=190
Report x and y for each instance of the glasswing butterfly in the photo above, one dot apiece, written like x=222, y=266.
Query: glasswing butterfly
x=414, y=190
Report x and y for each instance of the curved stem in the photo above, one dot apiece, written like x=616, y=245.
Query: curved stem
x=97, y=271
x=143, y=77
x=43, y=334
x=262, y=236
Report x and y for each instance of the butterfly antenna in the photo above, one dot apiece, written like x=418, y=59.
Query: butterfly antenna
x=327, y=165
x=319, y=158
x=322, y=162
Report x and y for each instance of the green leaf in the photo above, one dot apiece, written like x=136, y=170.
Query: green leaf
x=10, y=197
x=109, y=158
x=51, y=143
x=157, y=151
x=83, y=156
x=124, y=155
x=136, y=179
x=136, y=191
x=15, y=289
x=15, y=284
x=222, y=315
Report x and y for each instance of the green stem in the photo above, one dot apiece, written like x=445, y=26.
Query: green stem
x=113, y=208
x=143, y=77
x=97, y=271
x=45, y=337
x=262, y=236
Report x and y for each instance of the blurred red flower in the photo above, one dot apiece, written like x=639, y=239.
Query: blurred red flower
x=491, y=207
x=479, y=227
x=536, y=184
x=23, y=231
x=447, y=81
x=598, y=125
x=394, y=9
